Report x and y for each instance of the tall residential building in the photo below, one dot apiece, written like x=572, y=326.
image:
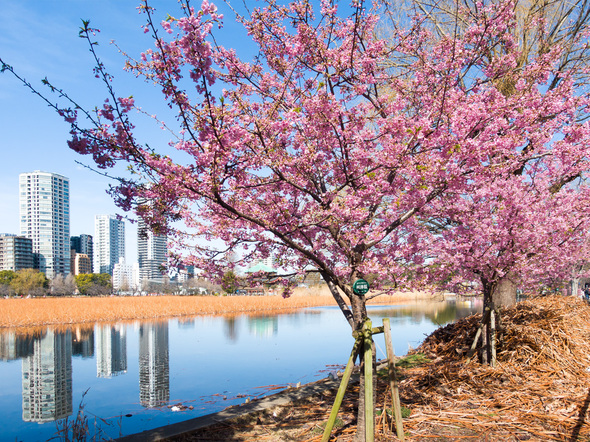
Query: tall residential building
x=109, y=242
x=45, y=218
x=16, y=253
x=152, y=251
x=83, y=341
x=83, y=244
x=125, y=276
x=81, y=263
x=13, y=346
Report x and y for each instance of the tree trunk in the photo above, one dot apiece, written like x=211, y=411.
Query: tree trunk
x=359, y=312
x=489, y=289
x=575, y=287
x=356, y=316
x=504, y=293
x=500, y=291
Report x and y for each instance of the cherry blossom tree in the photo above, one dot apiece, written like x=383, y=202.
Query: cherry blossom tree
x=317, y=152
x=531, y=234
x=538, y=27
x=514, y=230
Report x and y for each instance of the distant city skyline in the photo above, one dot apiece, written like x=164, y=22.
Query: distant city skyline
x=40, y=40
x=10, y=218
x=44, y=221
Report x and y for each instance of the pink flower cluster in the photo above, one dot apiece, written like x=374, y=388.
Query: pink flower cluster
x=319, y=153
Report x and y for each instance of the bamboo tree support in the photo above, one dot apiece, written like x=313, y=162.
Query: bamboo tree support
x=341, y=390
x=363, y=337
x=368, y=359
x=397, y=409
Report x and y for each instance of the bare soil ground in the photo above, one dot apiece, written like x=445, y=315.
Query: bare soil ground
x=539, y=391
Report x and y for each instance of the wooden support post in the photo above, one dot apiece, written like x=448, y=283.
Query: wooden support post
x=341, y=391
x=368, y=360
x=377, y=330
x=474, y=345
x=397, y=409
x=493, y=337
x=478, y=333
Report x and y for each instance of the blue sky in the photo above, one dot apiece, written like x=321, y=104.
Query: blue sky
x=39, y=38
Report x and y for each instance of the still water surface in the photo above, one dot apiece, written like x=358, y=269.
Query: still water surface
x=132, y=373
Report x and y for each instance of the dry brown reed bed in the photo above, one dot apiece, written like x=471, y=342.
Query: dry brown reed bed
x=539, y=391
x=17, y=312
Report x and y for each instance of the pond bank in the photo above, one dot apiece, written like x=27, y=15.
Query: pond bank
x=243, y=412
x=539, y=391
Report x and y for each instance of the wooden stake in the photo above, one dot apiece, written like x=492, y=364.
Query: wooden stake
x=397, y=409
x=341, y=391
x=493, y=337
x=368, y=360
x=478, y=333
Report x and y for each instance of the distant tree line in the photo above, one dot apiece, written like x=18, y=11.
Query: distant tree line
x=34, y=283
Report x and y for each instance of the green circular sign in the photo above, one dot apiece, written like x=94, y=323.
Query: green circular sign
x=360, y=287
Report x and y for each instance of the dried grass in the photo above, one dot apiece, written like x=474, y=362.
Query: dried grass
x=540, y=389
x=30, y=312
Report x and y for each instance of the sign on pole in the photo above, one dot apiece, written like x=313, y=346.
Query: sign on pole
x=360, y=287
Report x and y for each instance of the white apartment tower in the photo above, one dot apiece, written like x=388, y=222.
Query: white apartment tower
x=125, y=276
x=152, y=251
x=45, y=218
x=109, y=242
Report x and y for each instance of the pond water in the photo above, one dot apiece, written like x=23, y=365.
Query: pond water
x=128, y=375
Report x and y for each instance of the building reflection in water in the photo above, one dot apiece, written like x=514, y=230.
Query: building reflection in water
x=230, y=328
x=186, y=323
x=154, y=368
x=111, y=348
x=263, y=326
x=83, y=342
x=47, y=378
x=13, y=346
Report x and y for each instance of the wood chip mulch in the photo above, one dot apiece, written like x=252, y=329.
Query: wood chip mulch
x=539, y=390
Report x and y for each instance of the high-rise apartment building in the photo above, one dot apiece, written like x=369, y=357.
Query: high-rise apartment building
x=85, y=245
x=154, y=365
x=16, y=253
x=45, y=218
x=125, y=276
x=109, y=242
x=82, y=342
x=152, y=252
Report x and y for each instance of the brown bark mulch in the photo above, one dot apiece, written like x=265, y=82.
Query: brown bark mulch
x=539, y=390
